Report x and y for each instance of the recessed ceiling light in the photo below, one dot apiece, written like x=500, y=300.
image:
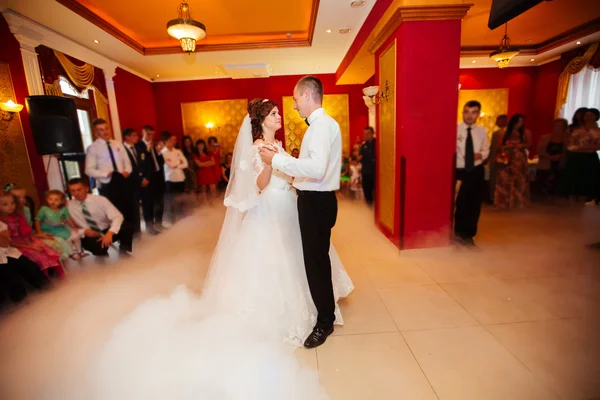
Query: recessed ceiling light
x=157, y=75
x=271, y=69
x=344, y=30
x=328, y=31
x=318, y=66
x=216, y=72
x=474, y=61
x=533, y=59
x=96, y=41
x=288, y=35
x=357, y=3
x=578, y=42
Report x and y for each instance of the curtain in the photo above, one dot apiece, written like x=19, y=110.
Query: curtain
x=576, y=65
x=583, y=91
x=101, y=104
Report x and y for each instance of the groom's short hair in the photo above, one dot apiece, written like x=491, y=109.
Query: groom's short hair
x=313, y=85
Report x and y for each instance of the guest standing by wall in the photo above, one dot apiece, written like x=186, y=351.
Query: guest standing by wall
x=472, y=148
x=152, y=195
x=108, y=164
x=367, y=159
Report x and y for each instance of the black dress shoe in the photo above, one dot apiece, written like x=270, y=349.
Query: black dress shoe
x=317, y=337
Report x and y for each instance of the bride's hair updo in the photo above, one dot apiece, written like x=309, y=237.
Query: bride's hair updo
x=258, y=110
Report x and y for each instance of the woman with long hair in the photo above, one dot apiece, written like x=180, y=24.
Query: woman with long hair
x=187, y=147
x=206, y=171
x=512, y=182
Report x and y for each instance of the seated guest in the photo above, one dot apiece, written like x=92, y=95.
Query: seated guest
x=102, y=223
x=552, y=151
x=16, y=269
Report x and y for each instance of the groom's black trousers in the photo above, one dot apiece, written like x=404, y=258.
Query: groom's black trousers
x=317, y=212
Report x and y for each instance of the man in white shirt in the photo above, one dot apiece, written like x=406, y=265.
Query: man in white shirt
x=16, y=269
x=316, y=178
x=107, y=162
x=100, y=220
x=175, y=164
x=472, y=149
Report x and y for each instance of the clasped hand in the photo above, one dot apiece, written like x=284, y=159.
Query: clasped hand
x=267, y=151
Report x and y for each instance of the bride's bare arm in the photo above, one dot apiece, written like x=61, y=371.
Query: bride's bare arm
x=265, y=176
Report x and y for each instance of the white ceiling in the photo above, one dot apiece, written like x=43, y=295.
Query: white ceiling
x=324, y=56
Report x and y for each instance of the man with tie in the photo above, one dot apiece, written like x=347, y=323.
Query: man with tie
x=137, y=179
x=108, y=164
x=101, y=222
x=472, y=149
x=153, y=194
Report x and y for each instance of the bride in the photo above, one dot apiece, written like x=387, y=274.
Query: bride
x=235, y=342
x=258, y=267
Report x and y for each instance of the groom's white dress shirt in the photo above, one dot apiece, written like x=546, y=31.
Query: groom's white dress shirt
x=319, y=166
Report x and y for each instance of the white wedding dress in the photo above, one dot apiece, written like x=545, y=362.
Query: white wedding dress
x=236, y=341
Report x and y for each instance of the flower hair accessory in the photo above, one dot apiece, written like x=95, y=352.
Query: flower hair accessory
x=265, y=100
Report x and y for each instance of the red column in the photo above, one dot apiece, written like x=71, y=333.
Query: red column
x=426, y=95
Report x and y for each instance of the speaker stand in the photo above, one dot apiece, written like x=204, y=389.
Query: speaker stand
x=63, y=168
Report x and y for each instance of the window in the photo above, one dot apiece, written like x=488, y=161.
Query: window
x=584, y=91
x=67, y=88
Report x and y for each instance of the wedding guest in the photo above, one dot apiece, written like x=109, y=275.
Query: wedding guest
x=552, y=151
x=581, y=177
x=472, y=148
x=102, y=223
x=22, y=236
x=226, y=171
x=205, y=162
x=214, y=149
x=501, y=122
x=108, y=164
x=295, y=153
x=16, y=270
x=137, y=179
x=187, y=147
x=54, y=219
x=24, y=199
x=367, y=160
x=577, y=120
x=512, y=182
x=175, y=164
x=152, y=195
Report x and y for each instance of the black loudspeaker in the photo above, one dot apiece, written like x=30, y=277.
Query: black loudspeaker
x=54, y=124
x=503, y=11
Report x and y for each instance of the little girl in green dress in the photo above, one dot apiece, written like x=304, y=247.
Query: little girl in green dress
x=53, y=219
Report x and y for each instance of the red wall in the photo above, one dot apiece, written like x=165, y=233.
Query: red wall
x=170, y=95
x=10, y=52
x=135, y=100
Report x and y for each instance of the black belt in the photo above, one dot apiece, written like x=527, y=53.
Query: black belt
x=312, y=192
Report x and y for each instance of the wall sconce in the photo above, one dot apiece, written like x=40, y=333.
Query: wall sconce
x=371, y=93
x=9, y=109
x=210, y=125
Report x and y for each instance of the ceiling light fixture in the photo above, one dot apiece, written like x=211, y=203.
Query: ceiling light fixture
x=533, y=59
x=96, y=41
x=328, y=31
x=474, y=61
x=157, y=75
x=578, y=42
x=504, y=53
x=344, y=30
x=185, y=29
x=357, y=3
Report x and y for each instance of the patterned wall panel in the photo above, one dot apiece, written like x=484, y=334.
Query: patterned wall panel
x=494, y=102
x=387, y=141
x=14, y=160
x=336, y=106
x=225, y=115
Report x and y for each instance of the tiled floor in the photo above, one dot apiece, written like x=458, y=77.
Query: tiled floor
x=517, y=319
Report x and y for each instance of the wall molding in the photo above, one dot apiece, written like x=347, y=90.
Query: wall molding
x=418, y=13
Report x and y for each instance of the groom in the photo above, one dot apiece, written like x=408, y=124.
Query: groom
x=316, y=178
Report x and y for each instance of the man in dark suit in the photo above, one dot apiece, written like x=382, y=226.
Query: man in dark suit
x=367, y=159
x=153, y=194
x=136, y=180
